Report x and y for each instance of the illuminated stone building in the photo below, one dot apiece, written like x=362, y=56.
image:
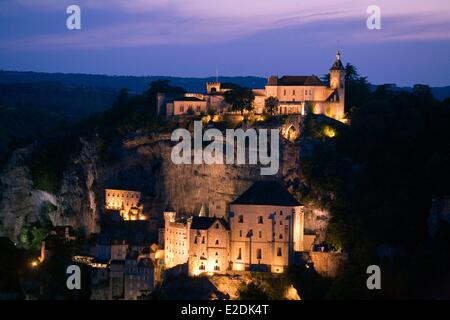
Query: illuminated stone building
x=296, y=95
x=176, y=242
x=127, y=202
x=267, y=228
x=263, y=232
x=209, y=244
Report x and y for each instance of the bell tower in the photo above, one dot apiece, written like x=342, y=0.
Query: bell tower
x=337, y=73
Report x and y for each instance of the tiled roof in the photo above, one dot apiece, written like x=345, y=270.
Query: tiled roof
x=267, y=193
x=295, y=81
x=204, y=223
x=337, y=65
x=188, y=99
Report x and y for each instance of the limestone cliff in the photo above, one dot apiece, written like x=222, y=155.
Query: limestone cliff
x=141, y=162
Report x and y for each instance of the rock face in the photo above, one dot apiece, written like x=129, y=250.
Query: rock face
x=19, y=202
x=75, y=204
x=140, y=162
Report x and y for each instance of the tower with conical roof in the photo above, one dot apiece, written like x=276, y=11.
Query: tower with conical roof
x=337, y=82
x=337, y=73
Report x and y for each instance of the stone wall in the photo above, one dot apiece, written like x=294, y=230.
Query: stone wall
x=328, y=264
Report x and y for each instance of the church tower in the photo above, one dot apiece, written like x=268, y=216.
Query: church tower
x=337, y=73
x=337, y=82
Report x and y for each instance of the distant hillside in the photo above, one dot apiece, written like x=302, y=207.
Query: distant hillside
x=137, y=84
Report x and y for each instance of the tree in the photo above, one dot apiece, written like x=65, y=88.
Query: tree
x=271, y=105
x=357, y=88
x=240, y=98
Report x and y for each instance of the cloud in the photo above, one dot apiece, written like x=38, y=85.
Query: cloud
x=160, y=22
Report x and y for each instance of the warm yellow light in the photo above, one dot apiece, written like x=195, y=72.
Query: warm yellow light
x=329, y=132
x=34, y=264
x=292, y=294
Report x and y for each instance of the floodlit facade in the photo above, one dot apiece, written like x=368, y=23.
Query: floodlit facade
x=263, y=231
x=127, y=202
x=267, y=224
x=296, y=95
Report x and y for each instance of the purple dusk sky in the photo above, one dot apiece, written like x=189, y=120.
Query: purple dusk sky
x=238, y=37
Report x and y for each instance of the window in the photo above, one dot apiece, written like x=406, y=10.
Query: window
x=203, y=240
x=216, y=268
x=281, y=236
x=279, y=252
x=260, y=234
x=241, y=219
x=260, y=219
x=284, y=92
x=281, y=222
x=198, y=108
x=217, y=241
x=240, y=233
x=293, y=92
x=281, y=213
x=195, y=240
x=258, y=254
x=181, y=108
x=217, y=225
x=239, y=257
x=202, y=267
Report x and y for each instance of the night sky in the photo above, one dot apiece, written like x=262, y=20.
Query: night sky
x=238, y=37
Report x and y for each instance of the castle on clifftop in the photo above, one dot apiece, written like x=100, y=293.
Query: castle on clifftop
x=296, y=95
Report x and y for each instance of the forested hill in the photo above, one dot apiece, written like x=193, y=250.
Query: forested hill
x=141, y=83
x=132, y=83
